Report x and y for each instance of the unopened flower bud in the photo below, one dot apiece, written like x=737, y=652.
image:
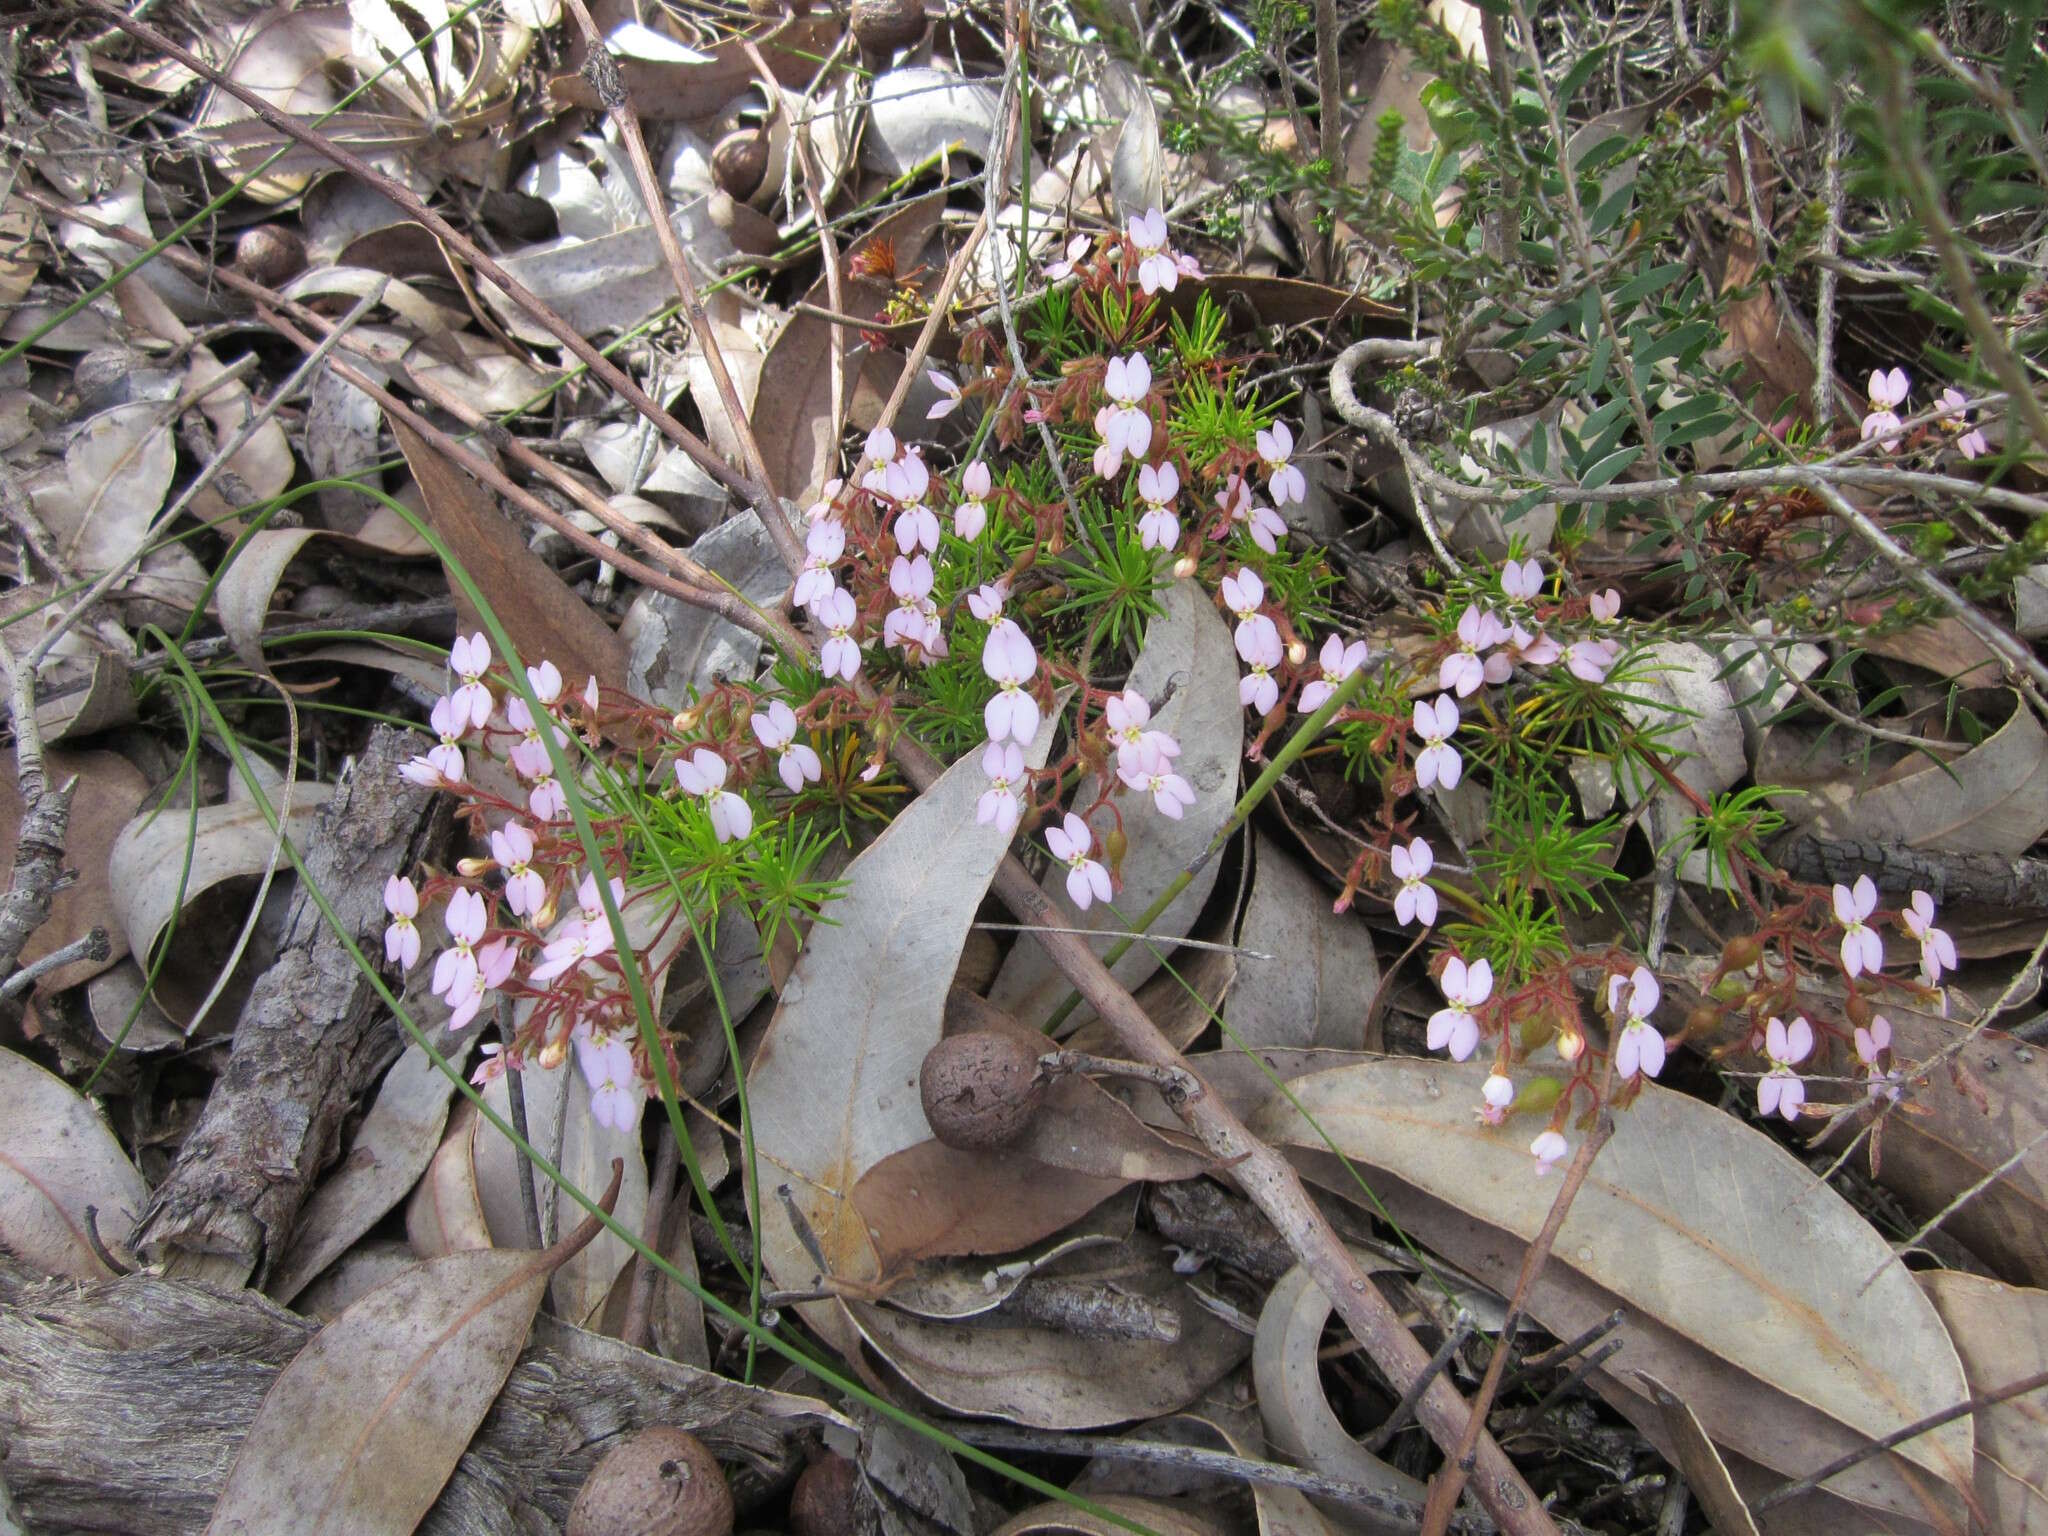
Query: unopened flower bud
x=475, y=869
x=1741, y=952
x=1704, y=1022
x=1571, y=1045
x=544, y=915
x=1115, y=844
x=553, y=1054
x=1184, y=567
x=1297, y=653
x=686, y=720
x=1730, y=989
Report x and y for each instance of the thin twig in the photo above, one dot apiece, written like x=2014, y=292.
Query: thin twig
x=93, y=946
x=661, y=1192
x=515, y=1096
x=1395, y=1422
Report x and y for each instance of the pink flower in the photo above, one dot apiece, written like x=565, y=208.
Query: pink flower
x=1497, y=1093
x=825, y=509
x=907, y=623
x=402, y=937
x=1438, y=761
x=512, y=847
x=1003, y=762
x=702, y=773
x=1463, y=670
x=971, y=516
x=1780, y=1091
x=583, y=937
x=1265, y=526
x=1887, y=392
x=986, y=601
x=1284, y=481
x=494, y=966
x=1010, y=661
x=1243, y=595
x=1862, y=949
x=1059, y=271
x=1156, y=266
x=546, y=682
x=1640, y=1048
x=1549, y=1150
x=1417, y=898
x=840, y=655
x=1456, y=1028
x=441, y=765
x=1591, y=660
x=917, y=526
x=1522, y=580
x=1130, y=719
x=1087, y=879
x=950, y=392
x=529, y=753
x=591, y=693
x=546, y=799
x=1606, y=606
x=878, y=454
x=455, y=964
x=1338, y=662
x=1153, y=774
x=471, y=659
x=1258, y=644
x=1158, y=485
x=590, y=902
x=1937, y=949
x=794, y=760
x=1871, y=1045
x=1970, y=442
x=824, y=545
x=1124, y=425
x=615, y=1093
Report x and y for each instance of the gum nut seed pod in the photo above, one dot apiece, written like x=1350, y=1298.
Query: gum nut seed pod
x=980, y=1089
x=739, y=162
x=883, y=26
x=270, y=254
x=661, y=1482
x=827, y=1499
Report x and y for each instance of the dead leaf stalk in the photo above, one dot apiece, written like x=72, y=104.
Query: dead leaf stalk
x=600, y=366
x=39, y=847
x=1395, y=1422
x=1450, y=1482
x=661, y=1191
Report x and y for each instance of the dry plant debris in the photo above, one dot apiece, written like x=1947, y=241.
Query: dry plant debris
x=983, y=768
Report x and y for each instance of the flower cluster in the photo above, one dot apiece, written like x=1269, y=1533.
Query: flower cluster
x=1888, y=390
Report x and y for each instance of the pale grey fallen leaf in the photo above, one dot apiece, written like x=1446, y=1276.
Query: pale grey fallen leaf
x=1315, y=989
x=353, y=1276
x=1137, y=165
x=674, y=650
x=833, y=1087
x=1187, y=650
x=1674, y=692
x=2001, y=1332
x=1055, y=1380
x=588, y=1151
x=116, y=473
x=362, y=1429
x=615, y=281
x=392, y=1147
x=57, y=1157
x=1743, y=1274
x=917, y=111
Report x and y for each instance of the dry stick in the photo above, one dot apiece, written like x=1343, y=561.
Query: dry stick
x=1450, y=1482
x=604, y=77
x=2020, y=1155
x=661, y=1189
x=39, y=847
x=691, y=583
x=757, y=495
x=1841, y=1464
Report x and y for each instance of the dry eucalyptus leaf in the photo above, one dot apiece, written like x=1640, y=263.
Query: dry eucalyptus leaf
x=228, y=842
x=675, y=650
x=392, y=1147
x=917, y=112
x=2001, y=1332
x=1055, y=1380
x=1322, y=974
x=1744, y=1275
x=446, y=1211
x=588, y=1152
x=1137, y=165
x=117, y=470
x=361, y=1430
x=1298, y=1417
x=57, y=1157
x=1991, y=799
x=671, y=83
x=952, y=1289
x=1705, y=1473
x=264, y=464
x=110, y=790
x=1187, y=649
x=1054, y=1518
x=833, y=1087
x=353, y=1276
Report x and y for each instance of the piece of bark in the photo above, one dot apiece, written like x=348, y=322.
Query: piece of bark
x=307, y=1041
x=2020, y=885
x=122, y=1406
